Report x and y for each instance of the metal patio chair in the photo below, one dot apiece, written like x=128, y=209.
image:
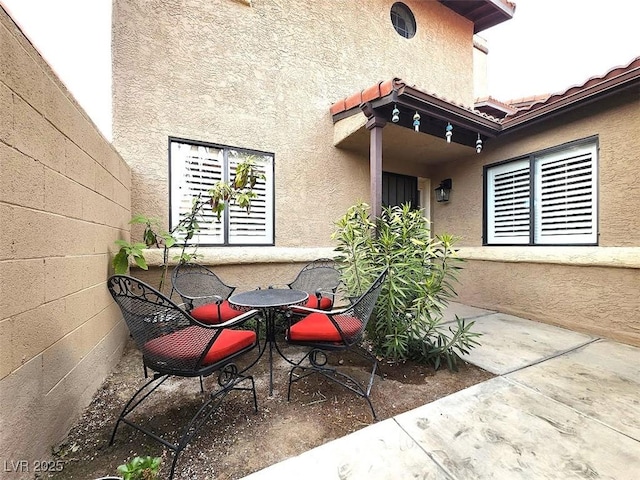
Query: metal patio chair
x=336, y=331
x=320, y=279
x=204, y=294
x=175, y=344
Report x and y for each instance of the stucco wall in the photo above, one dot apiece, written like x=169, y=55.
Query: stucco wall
x=593, y=289
x=64, y=199
x=264, y=77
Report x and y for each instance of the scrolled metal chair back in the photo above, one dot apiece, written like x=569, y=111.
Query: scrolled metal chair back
x=197, y=285
x=319, y=275
x=154, y=321
x=352, y=321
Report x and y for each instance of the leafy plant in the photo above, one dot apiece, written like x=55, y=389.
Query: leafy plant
x=140, y=468
x=129, y=250
x=240, y=191
x=422, y=271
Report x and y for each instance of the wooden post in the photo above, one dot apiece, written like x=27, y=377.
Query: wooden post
x=375, y=126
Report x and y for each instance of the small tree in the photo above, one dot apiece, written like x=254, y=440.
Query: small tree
x=239, y=191
x=422, y=271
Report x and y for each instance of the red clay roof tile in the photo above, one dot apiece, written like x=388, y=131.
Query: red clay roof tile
x=523, y=105
x=533, y=103
x=371, y=93
x=337, y=107
x=387, y=87
x=353, y=101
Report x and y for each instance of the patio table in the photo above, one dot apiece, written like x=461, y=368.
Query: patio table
x=269, y=301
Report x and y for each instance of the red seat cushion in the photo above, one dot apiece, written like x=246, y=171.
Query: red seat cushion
x=208, y=313
x=187, y=344
x=325, y=303
x=318, y=327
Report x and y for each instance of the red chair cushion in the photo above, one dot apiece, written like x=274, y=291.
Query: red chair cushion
x=317, y=327
x=187, y=344
x=325, y=303
x=208, y=313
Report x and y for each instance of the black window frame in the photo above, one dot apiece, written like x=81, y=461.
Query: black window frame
x=226, y=216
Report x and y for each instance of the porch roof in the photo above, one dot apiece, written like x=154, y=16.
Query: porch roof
x=380, y=99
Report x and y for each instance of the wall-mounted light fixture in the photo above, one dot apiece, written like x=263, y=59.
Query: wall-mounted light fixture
x=443, y=190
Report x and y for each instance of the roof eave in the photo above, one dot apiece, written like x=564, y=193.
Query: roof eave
x=484, y=13
x=627, y=80
x=410, y=98
x=446, y=111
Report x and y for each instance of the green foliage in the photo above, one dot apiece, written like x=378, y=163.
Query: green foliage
x=240, y=191
x=140, y=468
x=422, y=273
x=355, y=241
x=129, y=250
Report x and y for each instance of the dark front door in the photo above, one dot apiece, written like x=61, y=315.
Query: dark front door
x=399, y=189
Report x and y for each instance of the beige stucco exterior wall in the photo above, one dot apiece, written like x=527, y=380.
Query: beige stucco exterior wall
x=591, y=289
x=64, y=199
x=480, y=66
x=263, y=77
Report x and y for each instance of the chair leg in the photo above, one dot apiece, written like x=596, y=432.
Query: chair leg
x=317, y=363
x=132, y=403
x=228, y=379
x=207, y=409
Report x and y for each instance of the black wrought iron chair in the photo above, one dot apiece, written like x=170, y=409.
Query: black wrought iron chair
x=320, y=279
x=175, y=344
x=337, y=330
x=203, y=293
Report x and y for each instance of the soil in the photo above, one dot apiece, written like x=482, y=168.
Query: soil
x=236, y=441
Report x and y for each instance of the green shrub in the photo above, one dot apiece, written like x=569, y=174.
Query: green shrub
x=140, y=468
x=406, y=323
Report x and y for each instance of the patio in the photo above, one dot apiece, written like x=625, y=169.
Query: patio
x=561, y=405
x=236, y=441
x=564, y=405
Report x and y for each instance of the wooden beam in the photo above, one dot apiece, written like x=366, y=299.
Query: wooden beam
x=375, y=126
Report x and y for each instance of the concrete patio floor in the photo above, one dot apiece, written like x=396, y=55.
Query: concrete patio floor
x=564, y=405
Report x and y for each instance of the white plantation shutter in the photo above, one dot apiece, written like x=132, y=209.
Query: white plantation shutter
x=565, y=207
x=256, y=226
x=508, y=204
x=195, y=169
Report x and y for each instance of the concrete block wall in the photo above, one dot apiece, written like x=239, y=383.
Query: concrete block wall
x=64, y=199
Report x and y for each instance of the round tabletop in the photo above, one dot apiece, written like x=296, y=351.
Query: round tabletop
x=268, y=298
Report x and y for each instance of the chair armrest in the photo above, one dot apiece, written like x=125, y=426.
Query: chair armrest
x=216, y=298
x=229, y=323
x=315, y=310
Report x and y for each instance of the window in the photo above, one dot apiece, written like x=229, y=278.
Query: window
x=194, y=167
x=403, y=20
x=547, y=198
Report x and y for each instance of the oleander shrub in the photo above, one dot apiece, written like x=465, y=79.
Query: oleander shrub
x=407, y=320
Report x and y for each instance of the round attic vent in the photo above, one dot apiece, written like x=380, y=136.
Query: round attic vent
x=403, y=20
